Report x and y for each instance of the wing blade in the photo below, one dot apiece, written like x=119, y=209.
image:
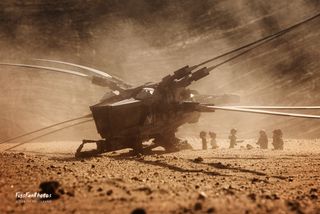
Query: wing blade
x=255, y=111
x=49, y=133
x=101, y=73
x=93, y=70
x=47, y=127
x=45, y=68
x=278, y=107
x=97, y=80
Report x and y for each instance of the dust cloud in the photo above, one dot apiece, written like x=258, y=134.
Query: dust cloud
x=141, y=41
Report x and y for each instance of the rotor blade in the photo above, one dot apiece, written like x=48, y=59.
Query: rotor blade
x=261, y=40
x=244, y=52
x=101, y=73
x=51, y=132
x=45, y=68
x=310, y=116
x=278, y=107
x=101, y=81
x=47, y=127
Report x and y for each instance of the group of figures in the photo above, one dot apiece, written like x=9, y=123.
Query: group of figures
x=213, y=141
x=277, y=140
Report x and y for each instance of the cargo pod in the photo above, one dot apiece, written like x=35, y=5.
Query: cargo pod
x=115, y=119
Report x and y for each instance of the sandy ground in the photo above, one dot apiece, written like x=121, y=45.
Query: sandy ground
x=223, y=181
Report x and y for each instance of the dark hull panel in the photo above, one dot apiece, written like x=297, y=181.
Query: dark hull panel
x=116, y=119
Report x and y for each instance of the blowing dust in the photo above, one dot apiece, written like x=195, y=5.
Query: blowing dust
x=142, y=41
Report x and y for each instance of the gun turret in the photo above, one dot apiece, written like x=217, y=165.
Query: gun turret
x=186, y=81
x=183, y=77
x=177, y=75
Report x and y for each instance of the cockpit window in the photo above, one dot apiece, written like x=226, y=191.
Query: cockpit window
x=145, y=93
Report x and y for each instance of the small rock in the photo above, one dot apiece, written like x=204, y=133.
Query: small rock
x=147, y=190
x=136, y=179
x=252, y=196
x=61, y=191
x=275, y=197
x=313, y=190
x=186, y=210
x=294, y=206
x=92, y=166
x=255, y=180
x=99, y=189
x=198, y=206
x=313, y=197
x=211, y=210
x=249, y=147
x=139, y=211
x=22, y=155
x=202, y=196
x=50, y=187
x=70, y=193
x=109, y=192
x=198, y=160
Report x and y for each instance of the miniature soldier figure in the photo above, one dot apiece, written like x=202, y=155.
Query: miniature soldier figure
x=263, y=140
x=233, y=138
x=203, y=136
x=277, y=139
x=213, y=142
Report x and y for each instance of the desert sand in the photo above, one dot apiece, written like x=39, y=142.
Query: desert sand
x=191, y=181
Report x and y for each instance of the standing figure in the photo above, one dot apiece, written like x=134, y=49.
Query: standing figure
x=277, y=139
x=213, y=141
x=263, y=140
x=233, y=138
x=203, y=136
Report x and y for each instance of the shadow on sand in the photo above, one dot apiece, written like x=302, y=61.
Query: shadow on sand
x=163, y=164
x=130, y=156
x=239, y=169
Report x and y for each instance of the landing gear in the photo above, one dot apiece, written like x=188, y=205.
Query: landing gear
x=101, y=147
x=110, y=145
x=171, y=143
x=167, y=140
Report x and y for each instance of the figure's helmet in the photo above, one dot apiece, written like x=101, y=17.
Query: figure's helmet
x=262, y=132
x=233, y=131
x=277, y=132
x=212, y=134
x=203, y=134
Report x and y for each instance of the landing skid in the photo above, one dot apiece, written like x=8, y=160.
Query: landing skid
x=170, y=144
x=103, y=147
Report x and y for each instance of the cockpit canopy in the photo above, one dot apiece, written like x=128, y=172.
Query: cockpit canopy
x=145, y=93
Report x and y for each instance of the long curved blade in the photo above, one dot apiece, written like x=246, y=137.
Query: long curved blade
x=279, y=107
x=47, y=127
x=46, y=68
x=101, y=73
x=279, y=33
x=48, y=133
x=309, y=116
x=101, y=81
